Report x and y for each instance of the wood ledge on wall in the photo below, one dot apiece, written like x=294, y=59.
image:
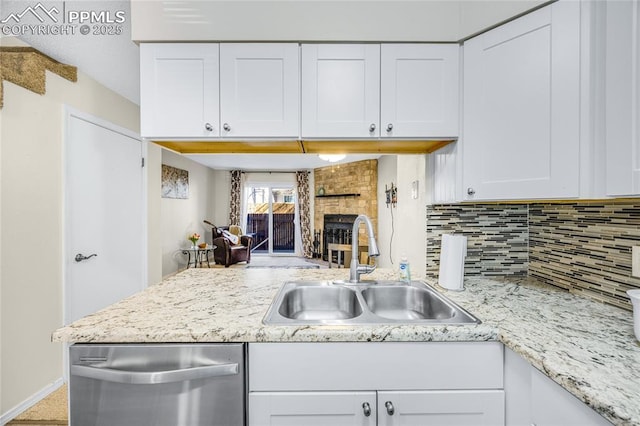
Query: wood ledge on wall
x=371, y=146
x=26, y=67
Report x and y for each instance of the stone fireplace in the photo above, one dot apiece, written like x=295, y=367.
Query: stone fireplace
x=347, y=191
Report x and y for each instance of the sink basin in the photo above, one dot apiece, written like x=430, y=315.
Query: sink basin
x=317, y=303
x=406, y=303
x=374, y=302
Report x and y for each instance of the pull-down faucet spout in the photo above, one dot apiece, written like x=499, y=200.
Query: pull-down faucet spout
x=356, y=268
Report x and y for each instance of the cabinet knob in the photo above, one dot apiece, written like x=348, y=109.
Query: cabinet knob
x=372, y=127
x=208, y=127
x=226, y=127
x=366, y=409
x=471, y=191
x=389, y=127
x=390, y=409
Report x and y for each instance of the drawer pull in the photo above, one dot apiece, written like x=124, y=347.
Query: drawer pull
x=390, y=409
x=366, y=409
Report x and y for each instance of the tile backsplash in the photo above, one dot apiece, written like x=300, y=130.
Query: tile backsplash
x=584, y=248
x=497, y=237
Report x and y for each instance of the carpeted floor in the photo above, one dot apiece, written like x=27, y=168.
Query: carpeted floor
x=51, y=411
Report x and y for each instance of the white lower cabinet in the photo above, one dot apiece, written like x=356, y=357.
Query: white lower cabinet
x=312, y=408
x=391, y=384
x=393, y=408
x=441, y=408
x=534, y=399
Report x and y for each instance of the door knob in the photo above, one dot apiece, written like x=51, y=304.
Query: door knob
x=390, y=409
x=80, y=257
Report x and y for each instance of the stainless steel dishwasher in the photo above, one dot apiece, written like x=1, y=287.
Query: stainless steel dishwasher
x=157, y=385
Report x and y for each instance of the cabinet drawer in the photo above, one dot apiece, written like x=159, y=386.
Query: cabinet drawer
x=365, y=366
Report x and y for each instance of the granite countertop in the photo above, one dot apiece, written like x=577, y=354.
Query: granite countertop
x=585, y=346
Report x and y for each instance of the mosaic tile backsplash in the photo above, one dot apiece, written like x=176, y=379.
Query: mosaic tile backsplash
x=497, y=237
x=584, y=248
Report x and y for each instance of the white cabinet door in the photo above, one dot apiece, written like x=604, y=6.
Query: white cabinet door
x=179, y=92
x=441, y=408
x=551, y=405
x=419, y=90
x=340, y=90
x=259, y=90
x=312, y=409
x=521, y=108
x=623, y=98
x=534, y=399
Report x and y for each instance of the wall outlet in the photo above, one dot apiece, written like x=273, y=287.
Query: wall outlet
x=635, y=261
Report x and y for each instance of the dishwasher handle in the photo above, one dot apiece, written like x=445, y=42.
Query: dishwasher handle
x=153, y=377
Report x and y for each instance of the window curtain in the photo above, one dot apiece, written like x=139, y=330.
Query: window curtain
x=235, y=207
x=302, y=181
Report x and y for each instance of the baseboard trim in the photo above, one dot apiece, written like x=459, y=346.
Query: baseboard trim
x=31, y=401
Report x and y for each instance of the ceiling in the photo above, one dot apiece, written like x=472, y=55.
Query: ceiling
x=112, y=60
x=270, y=162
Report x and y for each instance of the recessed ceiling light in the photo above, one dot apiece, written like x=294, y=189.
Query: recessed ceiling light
x=332, y=158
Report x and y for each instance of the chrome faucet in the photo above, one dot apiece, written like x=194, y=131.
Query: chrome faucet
x=356, y=268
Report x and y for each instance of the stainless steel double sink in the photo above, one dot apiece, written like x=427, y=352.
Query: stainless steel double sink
x=368, y=302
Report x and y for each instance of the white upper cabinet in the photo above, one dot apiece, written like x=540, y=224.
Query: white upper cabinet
x=259, y=90
x=419, y=90
x=521, y=108
x=340, y=90
x=623, y=98
x=179, y=86
x=388, y=91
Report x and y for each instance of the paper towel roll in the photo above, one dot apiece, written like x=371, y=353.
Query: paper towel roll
x=452, y=254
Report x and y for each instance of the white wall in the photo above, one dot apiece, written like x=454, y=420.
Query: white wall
x=387, y=216
x=154, y=220
x=181, y=217
x=412, y=213
x=31, y=219
x=222, y=191
x=316, y=20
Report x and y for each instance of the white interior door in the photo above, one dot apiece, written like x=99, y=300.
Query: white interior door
x=103, y=215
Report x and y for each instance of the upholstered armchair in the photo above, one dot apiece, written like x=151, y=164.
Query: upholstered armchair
x=226, y=252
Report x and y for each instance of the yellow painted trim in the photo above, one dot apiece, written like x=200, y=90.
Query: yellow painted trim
x=226, y=147
x=306, y=146
x=373, y=146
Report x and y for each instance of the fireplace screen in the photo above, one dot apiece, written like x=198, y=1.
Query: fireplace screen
x=337, y=229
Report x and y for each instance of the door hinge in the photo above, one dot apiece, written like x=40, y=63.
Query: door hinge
x=142, y=162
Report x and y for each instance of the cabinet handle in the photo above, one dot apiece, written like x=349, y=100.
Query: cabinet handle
x=389, y=127
x=366, y=409
x=226, y=127
x=208, y=127
x=471, y=191
x=390, y=409
x=372, y=127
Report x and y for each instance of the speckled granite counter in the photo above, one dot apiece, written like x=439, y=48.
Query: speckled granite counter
x=587, y=347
